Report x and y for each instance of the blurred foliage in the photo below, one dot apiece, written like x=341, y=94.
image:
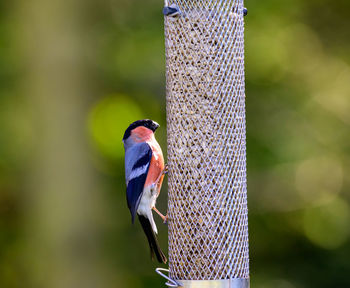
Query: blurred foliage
x=111, y=112
x=297, y=86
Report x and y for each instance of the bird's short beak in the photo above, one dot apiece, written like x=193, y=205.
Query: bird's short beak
x=155, y=125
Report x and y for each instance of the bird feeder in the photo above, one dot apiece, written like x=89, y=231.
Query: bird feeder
x=207, y=201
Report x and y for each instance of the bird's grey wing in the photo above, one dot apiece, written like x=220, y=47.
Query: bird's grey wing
x=137, y=161
x=136, y=156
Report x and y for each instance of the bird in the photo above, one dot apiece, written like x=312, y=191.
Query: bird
x=144, y=173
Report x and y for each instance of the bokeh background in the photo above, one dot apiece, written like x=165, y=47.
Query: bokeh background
x=74, y=74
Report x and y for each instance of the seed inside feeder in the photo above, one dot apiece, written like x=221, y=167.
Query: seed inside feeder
x=208, y=237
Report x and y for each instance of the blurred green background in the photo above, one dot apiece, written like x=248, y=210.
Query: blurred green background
x=74, y=74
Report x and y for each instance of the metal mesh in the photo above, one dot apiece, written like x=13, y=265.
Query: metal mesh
x=208, y=224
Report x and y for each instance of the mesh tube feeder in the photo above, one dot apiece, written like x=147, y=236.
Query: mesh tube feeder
x=207, y=204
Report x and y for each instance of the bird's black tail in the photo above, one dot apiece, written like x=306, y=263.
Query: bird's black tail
x=152, y=239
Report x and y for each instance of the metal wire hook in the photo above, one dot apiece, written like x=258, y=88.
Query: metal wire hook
x=172, y=11
x=171, y=282
x=245, y=11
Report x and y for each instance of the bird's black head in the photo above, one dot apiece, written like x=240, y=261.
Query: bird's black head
x=150, y=124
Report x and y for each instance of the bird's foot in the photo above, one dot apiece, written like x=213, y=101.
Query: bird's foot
x=164, y=218
x=165, y=170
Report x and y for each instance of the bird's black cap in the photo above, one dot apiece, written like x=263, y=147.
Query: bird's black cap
x=150, y=124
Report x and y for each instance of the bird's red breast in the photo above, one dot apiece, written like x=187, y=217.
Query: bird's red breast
x=156, y=166
x=143, y=134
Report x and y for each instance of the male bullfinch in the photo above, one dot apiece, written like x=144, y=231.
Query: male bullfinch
x=144, y=173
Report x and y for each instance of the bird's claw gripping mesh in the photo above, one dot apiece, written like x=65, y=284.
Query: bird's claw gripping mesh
x=208, y=225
